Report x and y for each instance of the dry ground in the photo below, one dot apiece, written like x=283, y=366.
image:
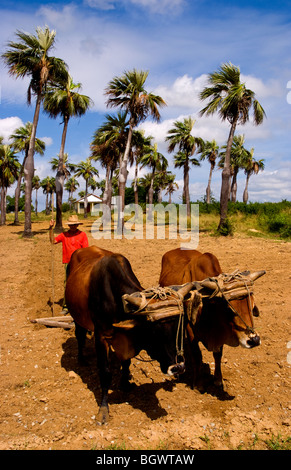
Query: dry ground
x=49, y=402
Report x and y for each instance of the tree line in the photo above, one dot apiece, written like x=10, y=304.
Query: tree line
x=118, y=143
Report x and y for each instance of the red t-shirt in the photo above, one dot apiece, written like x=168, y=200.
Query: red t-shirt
x=71, y=243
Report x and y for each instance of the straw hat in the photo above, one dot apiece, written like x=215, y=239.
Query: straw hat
x=73, y=220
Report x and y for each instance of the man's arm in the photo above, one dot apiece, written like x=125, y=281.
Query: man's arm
x=51, y=235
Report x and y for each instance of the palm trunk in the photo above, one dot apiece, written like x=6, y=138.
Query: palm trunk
x=151, y=196
x=29, y=171
x=123, y=178
x=35, y=202
x=135, y=188
x=3, y=205
x=186, y=187
x=60, y=177
x=246, y=194
x=86, y=199
x=234, y=185
x=226, y=177
x=17, y=191
x=208, y=189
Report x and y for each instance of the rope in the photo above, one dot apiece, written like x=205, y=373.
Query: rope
x=226, y=278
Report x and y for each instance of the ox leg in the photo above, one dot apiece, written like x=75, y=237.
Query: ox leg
x=196, y=366
x=104, y=377
x=80, y=333
x=218, y=381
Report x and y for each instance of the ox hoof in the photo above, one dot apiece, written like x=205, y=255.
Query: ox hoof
x=103, y=416
x=218, y=383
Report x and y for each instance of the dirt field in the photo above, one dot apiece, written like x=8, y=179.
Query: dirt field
x=49, y=402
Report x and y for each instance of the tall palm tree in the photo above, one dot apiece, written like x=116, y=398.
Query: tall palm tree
x=156, y=161
x=229, y=97
x=252, y=167
x=9, y=169
x=108, y=146
x=20, y=141
x=63, y=99
x=210, y=152
x=180, y=136
x=128, y=93
x=71, y=186
x=86, y=171
x=30, y=58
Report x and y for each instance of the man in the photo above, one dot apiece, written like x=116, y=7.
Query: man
x=71, y=240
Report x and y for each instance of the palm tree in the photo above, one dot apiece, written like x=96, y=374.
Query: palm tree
x=107, y=147
x=252, y=167
x=238, y=159
x=233, y=101
x=87, y=171
x=171, y=186
x=36, y=186
x=210, y=152
x=71, y=186
x=128, y=92
x=29, y=57
x=180, y=136
x=21, y=139
x=156, y=161
x=48, y=187
x=140, y=144
x=9, y=169
x=63, y=99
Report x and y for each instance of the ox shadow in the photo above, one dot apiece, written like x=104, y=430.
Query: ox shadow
x=142, y=397
x=206, y=383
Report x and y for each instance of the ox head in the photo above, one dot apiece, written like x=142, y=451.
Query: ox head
x=236, y=305
x=162, y=338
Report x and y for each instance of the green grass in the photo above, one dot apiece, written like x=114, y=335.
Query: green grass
x=267, y=220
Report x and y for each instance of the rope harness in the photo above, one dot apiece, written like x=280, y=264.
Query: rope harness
x=161, y=303
x=223, y=290
x=164, y=294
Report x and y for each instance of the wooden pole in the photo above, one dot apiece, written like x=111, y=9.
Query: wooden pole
x=52, y=263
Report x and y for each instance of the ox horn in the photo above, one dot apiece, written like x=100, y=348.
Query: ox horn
x=136, y=301
x=185, y=289
x=208, y=284
x=256, y=275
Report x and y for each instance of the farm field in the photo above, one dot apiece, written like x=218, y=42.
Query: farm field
x=49, y=402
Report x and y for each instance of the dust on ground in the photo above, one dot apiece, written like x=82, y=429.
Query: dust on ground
x=49, y=402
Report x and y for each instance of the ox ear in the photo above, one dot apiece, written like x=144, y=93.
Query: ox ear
x=256, y=311
x=256, y=275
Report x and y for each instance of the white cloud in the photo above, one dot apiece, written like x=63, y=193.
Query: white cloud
x=8, y=126
x=47, y=140
x=270, y=88
x=101, y=4
x=184, y=92
x=160, y=6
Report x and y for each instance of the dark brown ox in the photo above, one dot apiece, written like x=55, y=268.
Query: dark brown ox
x=219, y=320
x=97, y=281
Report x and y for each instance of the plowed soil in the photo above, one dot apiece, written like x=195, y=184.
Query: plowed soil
x=48, y=401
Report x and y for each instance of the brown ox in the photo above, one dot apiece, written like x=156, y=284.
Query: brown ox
x=97, y=282
x=218, y=321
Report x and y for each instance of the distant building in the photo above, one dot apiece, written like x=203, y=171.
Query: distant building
x=91, y=200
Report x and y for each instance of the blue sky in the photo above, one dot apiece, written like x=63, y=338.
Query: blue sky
x=179, y=42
